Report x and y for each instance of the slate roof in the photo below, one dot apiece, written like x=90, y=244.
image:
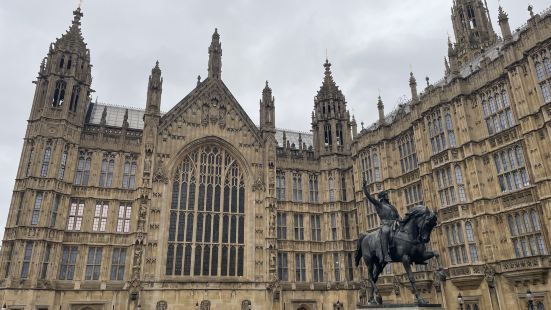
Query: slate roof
x=115, y=118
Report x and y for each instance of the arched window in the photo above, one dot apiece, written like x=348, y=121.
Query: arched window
x=83, y=169
x=547, y=66
x=460, y=185
x=331, y=185
x=62, y=62
x=328, y=136
x=62, y=164
x=69, y=62
x=449, y=128
x=59, y=93
x=539, y=71
x=29, y=161
x=340, y=140
x=469, y=231
x=207, y=215
x=46, y=161
x=512, y=225
x=535, y=220
x=129, y=174
x=106, y=174
x=75, y=95
x=376, y=167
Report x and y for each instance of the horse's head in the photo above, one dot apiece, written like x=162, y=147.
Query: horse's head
x=423, y=220
x=427, y=222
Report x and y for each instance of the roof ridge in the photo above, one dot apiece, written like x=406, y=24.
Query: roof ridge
x=294, y=131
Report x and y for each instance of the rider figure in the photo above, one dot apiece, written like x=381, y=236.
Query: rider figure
x=388, y=215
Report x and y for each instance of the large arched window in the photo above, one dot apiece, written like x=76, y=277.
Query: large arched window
x=59, y=93
x=207, y=215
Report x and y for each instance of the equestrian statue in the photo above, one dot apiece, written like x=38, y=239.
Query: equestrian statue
x=397, y=240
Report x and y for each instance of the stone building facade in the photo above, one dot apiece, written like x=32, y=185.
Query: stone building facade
x=199, y=208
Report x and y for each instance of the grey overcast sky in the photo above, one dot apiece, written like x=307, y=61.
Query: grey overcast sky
x=371, y=44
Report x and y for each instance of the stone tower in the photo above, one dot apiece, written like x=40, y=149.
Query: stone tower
x=330, y=120
x=472, y=28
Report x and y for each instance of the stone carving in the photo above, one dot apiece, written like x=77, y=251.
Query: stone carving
x=274, y=287
x=205, y=305
x=246, y=305
x=489, y=275
x=160, y=174
x=338, y=305
x=259, y=185
x=213, y=112
x=396, y=285
x=162, y=305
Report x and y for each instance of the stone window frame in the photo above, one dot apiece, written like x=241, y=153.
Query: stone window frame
x=331, y=188
x=46, y=257
x=298, y=224
x=283, y=266
x=207, y=174
x=106, y=171
x=46, y=159
x=54, y=212
x=408, y=153
x=280, y=185
x=67, y=266
x=118, y=264
x=63, y=164
x=27, y=258
x=496, y=108
x=315, y=224
x=511, y=168
x=300, y=267
x=101, y=216
x=445, y=184
x=441, y=129
x=458, y=173
x=297, y=186
x=38, y=200
x=76, y=215
x=349, y=266
x=313, y=187
x=130, y=168
x=542, y=73
x=336, y=267
x=281, y=228
x=413, y=194
x=317, y=267
x=333, y=226
x=84, y=163
x=58, y=98
x=93, y=263
x=124, y=217
x=526, y=233
x=461, y=244
x=7, y=247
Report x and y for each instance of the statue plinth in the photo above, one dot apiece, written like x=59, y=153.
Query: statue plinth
x=402, y=307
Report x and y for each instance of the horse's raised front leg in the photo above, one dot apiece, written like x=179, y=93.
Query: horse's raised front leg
x=406, y=261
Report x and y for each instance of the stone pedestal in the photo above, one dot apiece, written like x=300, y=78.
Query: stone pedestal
x=402, y=307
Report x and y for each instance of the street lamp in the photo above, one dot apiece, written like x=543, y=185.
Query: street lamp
x=460, y=301
x=530, y=298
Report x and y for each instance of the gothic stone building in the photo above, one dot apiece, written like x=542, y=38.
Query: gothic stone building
x=199, y=208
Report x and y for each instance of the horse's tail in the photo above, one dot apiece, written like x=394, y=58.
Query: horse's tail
x=359, y=249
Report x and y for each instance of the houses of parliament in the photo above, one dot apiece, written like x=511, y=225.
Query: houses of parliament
x=200, y=208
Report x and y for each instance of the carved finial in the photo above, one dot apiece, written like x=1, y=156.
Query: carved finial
x=427, y=79
x=531, y=10
x=215, y=56
x=198, y=80
x=125, y=120
x=103, y=116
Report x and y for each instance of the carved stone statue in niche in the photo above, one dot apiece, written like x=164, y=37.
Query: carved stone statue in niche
x=205, y=114
x=162, y=305
x=246, y=305
x=205, y=305
x=160, y=173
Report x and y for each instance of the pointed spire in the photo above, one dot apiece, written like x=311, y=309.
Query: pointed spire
x=154, y=90
x=125, y=120
x=215, y=56
x=447, y=66
x=72, y=39
x=381, y=108
x=198, y=80
x=413, y=87
x=103, y=121
x=503, y=21
x=451, y=50
x=328, y=88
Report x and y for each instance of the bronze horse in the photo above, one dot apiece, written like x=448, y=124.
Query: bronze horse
x=408, y=247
